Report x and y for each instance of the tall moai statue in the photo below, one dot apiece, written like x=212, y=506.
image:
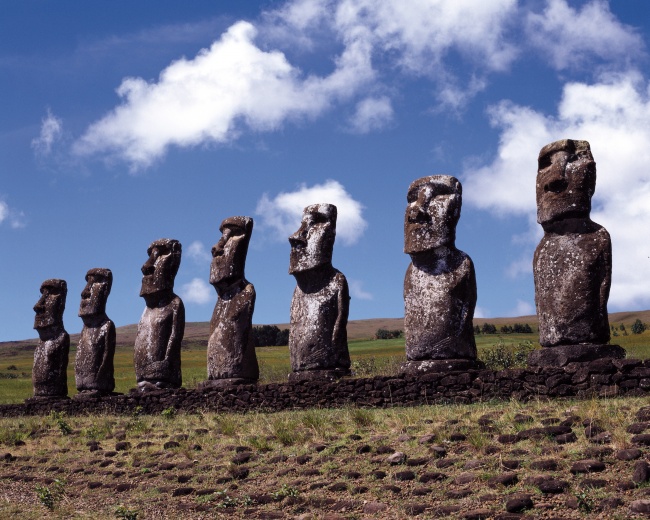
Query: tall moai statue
x=318, y=341
x=231, y=351
x=440, y=283
x=157, y=354
x=96, y=349
x=572, y=265
x=49, y=375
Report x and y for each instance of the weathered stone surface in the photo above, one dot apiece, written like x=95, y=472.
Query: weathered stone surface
x=572, y=264
x=562, y=355
x=319, y=308
x=440, y=283
x=49, y=375
x=231, y=352
x=157, y=356
x=94, y=359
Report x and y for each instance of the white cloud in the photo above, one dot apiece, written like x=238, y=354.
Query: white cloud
x=15, y=219
x=208, y=99
x=480, y=312
x=197, y=291
x=569, y=37
x=614, y=116
x=284, y=212
x=197, y=252
x=51, y=131
x=371, y=114
x=356, y=290
x=522, y=308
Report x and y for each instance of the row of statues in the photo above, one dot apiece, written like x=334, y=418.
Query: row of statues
x=571, y=267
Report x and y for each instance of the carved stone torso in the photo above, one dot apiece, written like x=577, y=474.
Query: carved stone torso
x=439, y=300
x=49, y=376
x=572, y=278
x=231, y=352
x=94, y=359
x=157, y=354
x=318, y=333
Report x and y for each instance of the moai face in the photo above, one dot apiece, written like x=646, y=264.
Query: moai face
x=49, y=308
x=161, y=267
x=432, y=213
x=229, y=254
x=566, y=180
x=95, y=294
x=313, y=243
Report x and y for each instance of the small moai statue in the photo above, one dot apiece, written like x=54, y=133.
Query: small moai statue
x=440, y=283
x=93, y=367
x=318, y=341
x=49, y=375
x=572, y=265
x=157, y=355
x=231, y=351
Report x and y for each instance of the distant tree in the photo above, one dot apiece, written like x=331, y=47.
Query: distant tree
x=622, y=327
x=477, y=329
x=388, y=334
x=270, y=335
x=506, y=329
x=282, y=338
x=638, y=327
x=520, y=328
x=489, y=328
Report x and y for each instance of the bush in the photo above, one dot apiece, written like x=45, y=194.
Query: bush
x=388, y=334
x=477, y=329
x=502, y=356
x=489, y=328
x=638, y=327
x=270, y=336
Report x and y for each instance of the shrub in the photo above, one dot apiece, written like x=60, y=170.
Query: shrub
x=477, y=329
x=126, y=514
x=270, y=336
x=49, y=497
x=388, y=334
x=502, y=356
x=489, y=328
x=638, y=327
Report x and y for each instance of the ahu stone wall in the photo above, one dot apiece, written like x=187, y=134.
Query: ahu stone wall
x=600, y=378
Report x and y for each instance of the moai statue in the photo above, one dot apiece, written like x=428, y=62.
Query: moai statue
x=440, y=284
x=157, y=355
x=93, y=367
x=231, y=352
x=318, y=341
x=49, y=376
x=572, y=265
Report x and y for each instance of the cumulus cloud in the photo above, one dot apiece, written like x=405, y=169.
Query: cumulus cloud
x=283, y=212
x=209, y=99
x=371, y=114
x=356, y=290
x=522, y=308
x=197, y=291
x=614, y=116
x=197, y=252
x=51, y=131
x=569, y=36
x=15, y=218
x=480, y=312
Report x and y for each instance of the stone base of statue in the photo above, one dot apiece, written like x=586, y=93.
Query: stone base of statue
x=564, y=354
x=40, y=399
x=426, y=366
x=93, y=394
x=226, y=382
x=318, y=375
x=147, y=386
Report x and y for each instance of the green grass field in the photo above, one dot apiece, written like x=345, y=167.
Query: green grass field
x=369, y=357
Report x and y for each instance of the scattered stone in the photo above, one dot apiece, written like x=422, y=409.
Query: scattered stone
x=372, y=508
x=593, y=483
x=432, y=477
x=508, y=439
x=379, y=474
x=420, y=461
x=414, y=509
x=404, y=475
x=477, y=514
x=421, y=491
x=544, y=465
x=522, y=418
x=382, y=450
x=643, y=439
x=587, y=466
x=438, y=451
x=637, y=428
x=182, y=491
x=396, y=458
x=609, y=503
x=170, y=445
x=120, y=488
x=601, y=438
x=365, y=448
x=473, y=464
x=241, y=458
x=338, y=486
x=552, y=486
x=392, y=488
x=505, y=479
x=426, y=439
x=457, y=437
x=629, y=454
x=122, y=446
x=640, y=506
x=303, y=459
x=511, y=464
x=566, y=438
x=465, y=478
x=641, y=472
x=519, y=503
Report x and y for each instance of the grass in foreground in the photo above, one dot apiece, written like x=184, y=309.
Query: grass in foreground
x=316, y=462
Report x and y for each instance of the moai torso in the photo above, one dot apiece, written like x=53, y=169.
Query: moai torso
x=439, y=303
x=94, y=360
x=231, y=352
x=572, y=272
x=158, y=344
x=50, y=372
x=318, y=332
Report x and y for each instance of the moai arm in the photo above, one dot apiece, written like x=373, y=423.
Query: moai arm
x=178, y=327
x=340, y=332
x=109, y=347
x=469, y=303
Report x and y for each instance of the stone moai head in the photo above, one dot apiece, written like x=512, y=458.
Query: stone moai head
x=312, y=245
x=432, y=213
x=161, y=267
x=566, y=180
x=229, y=254
x=95, y=294
x=49, y=308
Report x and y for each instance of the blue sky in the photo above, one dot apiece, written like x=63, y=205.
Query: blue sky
x=125, y=122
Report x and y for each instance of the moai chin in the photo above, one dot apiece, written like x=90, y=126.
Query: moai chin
x=231, y=352
x=318, y=342
x=440, y=284
x=572, y=265
x=157, y=356
x=94, y=373
x=49, y=376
